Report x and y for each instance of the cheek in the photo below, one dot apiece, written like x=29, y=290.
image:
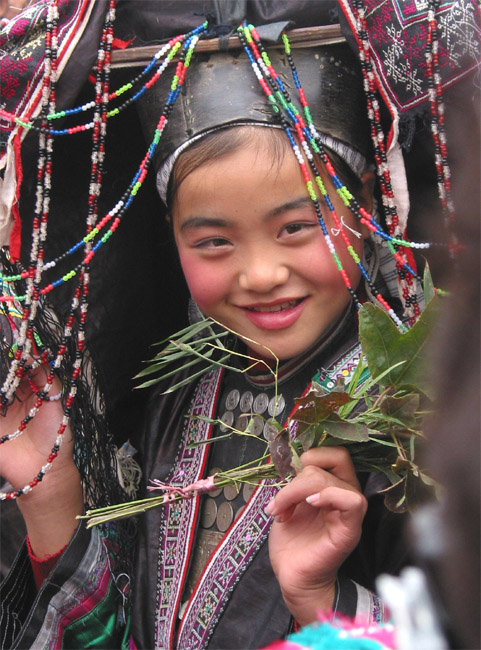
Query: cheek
x=207, y=286
x=322, y=268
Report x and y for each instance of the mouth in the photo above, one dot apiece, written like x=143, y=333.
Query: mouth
x=278, y=315
x=268, y=309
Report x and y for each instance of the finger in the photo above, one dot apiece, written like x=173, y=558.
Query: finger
x=335, y=460
x=343, y=510
x=346, y=502
x=312, y=479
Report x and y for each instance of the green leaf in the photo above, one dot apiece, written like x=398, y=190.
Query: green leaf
x=310, y=435
x=347, y=431
x=295, y=459
x=428, y=286
x=403, y=409
x=384, y=347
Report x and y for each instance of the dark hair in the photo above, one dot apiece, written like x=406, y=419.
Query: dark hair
x=224, y=141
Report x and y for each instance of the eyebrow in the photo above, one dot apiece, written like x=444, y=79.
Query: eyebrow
x=291, y=205
x=217, y=222
x=199, y=222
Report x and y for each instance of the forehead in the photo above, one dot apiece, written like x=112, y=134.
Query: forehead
x=248, y=176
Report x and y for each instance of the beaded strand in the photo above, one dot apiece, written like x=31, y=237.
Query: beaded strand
x=436, y=105
x=80, y=296
x=124, y=203
x=408, y=288
x=81, y=293
x=346, y=196
x=39, y=233
x=250, y=37
x=113, y=95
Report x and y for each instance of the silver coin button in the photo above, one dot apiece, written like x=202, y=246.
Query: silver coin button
x=209, y=513
x=227, y=421
x=225, y=515
x=276, y=406
x=260, y=403
x=232, y=399
x=256, y=425
x=247, y=490
x=231, y=491
x=242, y=422
x=246, y=400
x=270, y=430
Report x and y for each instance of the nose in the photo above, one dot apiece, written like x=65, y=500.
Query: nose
x=262, y=272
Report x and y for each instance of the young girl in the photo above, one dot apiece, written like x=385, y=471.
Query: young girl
x=256, y=259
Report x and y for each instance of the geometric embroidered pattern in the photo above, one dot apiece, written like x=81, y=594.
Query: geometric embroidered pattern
x=397, y=33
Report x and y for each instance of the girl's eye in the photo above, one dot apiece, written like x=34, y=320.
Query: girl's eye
x=293, y=228
x=214, y=242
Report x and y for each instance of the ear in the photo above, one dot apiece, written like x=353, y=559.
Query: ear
x=365, y=197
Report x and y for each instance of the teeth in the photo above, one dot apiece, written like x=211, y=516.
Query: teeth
x=274, y=308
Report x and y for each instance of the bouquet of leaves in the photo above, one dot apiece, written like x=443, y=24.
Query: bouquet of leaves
x=378, y=415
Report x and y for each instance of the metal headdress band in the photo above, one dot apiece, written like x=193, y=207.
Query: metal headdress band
x=221, y=90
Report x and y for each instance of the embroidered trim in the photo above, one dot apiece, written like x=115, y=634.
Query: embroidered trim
x=225, y=568
x=178, y=525
x=344, y=369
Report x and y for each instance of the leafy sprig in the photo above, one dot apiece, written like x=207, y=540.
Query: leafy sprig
x=379, y=419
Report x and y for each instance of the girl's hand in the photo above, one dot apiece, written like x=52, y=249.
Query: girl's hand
x=50, y=508
x=318, y=518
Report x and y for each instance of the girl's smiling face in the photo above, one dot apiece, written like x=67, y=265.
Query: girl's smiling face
x=253, y=252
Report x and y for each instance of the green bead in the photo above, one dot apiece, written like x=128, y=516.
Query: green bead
x=310, y=189
x=337, y=261
x=321, y=185
x=308, y=115
x=280, y=97
x=354, y=255
x=293, y=108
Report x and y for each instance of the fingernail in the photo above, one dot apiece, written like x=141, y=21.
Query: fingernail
x=270, y=507
x=313, y=498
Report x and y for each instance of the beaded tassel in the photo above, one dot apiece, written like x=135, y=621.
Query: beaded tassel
x=436, y=106
x=79, y=302
x=408, y=288
x=79, y=296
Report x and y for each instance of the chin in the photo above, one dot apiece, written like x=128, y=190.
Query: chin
x=282, y=353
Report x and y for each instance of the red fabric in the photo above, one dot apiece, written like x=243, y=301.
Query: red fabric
x=118, y=44
x=16, y=232
x=42, y=567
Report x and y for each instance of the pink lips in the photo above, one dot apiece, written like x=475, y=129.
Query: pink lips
x=275, y=320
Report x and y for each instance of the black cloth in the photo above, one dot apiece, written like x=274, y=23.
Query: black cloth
x=255, y=614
